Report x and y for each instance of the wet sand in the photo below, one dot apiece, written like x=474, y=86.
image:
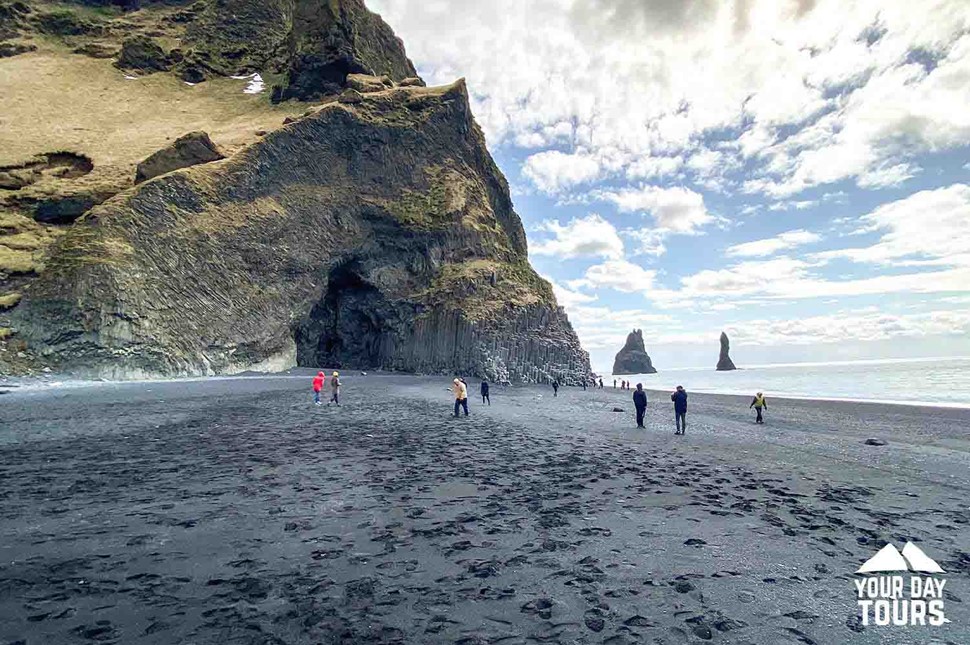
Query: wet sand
x=235, y=511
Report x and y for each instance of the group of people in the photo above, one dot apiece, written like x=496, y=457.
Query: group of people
x=319, y=382
x=460, y=389
x=679, y=399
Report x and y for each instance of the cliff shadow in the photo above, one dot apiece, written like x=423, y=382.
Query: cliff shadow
x=346, y=327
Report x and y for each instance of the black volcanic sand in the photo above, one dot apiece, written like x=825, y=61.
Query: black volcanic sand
x=234, y=511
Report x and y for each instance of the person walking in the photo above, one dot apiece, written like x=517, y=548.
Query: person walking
x=679, y=397
x=601, y=382
x=555, y=388
x=335, y=389
x=461, y=396
x=584, y=384
x=614, y=384
x=758, y=403
x=317, y=386
x=640, y=403
x=485, y=398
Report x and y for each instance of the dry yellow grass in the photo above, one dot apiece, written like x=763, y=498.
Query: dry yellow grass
x=14, y=261
x=53, y=100
x=9, y=300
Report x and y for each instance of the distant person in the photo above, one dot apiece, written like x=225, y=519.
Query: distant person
x=555, y=388
x=335, y=389
x=614, y=384
x=640, y=403
x=461, y=396
x=485, y=398
x=584, y=385
x=758, y=403
x=679, y=397
x=317, y=386
x=601, y=383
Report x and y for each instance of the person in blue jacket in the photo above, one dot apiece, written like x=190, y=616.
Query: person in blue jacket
x=679, y=397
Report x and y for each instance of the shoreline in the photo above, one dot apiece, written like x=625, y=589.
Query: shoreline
x=40, y=384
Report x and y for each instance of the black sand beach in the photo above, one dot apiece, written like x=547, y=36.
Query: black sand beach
x=234, y=511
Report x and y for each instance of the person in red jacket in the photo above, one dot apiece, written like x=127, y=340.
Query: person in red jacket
x=317, y=386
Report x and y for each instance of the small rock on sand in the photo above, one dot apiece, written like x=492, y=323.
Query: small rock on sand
x=875, y=442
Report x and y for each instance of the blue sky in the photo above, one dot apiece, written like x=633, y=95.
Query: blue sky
x=795, y=173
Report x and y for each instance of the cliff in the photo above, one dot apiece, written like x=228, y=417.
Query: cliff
x=633, y=358
x=371, y=230
x=724, y=362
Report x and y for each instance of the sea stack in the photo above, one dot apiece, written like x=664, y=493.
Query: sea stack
x=724, y=362
x=633, y=358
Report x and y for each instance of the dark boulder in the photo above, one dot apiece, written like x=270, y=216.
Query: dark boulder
x=724, y=362
x=143, y=53
x=875, y=442
x=188, y=150
x=633, y=358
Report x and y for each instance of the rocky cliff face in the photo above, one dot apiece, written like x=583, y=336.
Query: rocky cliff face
x=724, y=362
x=375, y=232
x=633, y=358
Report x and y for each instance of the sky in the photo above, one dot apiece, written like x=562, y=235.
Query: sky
x=793, y=172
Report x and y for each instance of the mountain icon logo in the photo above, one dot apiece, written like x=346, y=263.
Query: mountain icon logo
x=890, y=559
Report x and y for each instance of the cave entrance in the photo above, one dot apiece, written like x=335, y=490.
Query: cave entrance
x=345, y=329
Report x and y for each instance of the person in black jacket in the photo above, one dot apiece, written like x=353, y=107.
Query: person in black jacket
x=485, y=393
x=640, y=403
x=679, y=397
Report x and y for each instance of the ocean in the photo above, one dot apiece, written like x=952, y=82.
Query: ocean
x=940, y=381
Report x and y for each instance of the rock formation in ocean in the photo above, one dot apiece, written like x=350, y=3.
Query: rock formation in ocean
x=724, y=362
x=633, y=358
x=371, y=230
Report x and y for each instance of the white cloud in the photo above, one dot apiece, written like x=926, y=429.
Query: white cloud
x=620, y=275
x=624, y=81
x=859, y=326
x=590, y=236
x=646, y=241
x=675, y=210
x=791, y=279
x=553, y=171
x=931, y=226
x=771, y=245
x=569, y=298
x=653, y=167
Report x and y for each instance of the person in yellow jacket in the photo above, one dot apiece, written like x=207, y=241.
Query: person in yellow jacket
x=461, y=395
x=759, y=403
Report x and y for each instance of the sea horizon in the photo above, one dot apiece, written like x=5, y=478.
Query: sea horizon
x=937, y=381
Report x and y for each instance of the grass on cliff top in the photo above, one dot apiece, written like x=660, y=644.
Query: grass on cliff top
x=52, y=99
x=468, y=287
